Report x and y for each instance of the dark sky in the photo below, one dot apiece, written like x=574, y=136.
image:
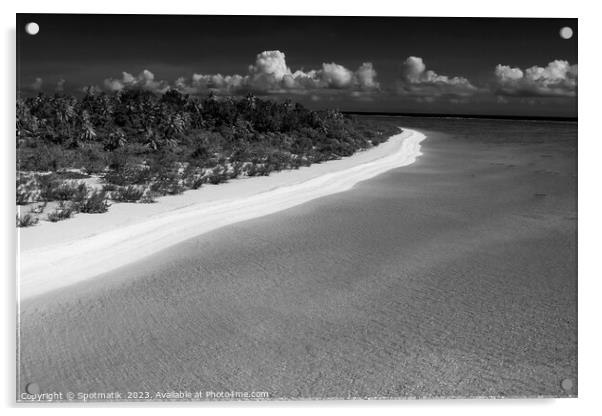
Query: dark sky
x=87, y=49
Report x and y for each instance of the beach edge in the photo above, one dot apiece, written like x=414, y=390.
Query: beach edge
x=51, y=267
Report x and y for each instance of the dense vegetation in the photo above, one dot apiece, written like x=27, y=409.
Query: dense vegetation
x=142, y=145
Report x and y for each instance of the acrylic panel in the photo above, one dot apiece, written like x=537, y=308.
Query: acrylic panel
x=292, y=208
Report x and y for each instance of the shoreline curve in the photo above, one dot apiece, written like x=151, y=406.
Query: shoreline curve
x=57, y=265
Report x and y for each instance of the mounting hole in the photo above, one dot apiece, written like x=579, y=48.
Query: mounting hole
x=32, y=28
x=567, y=384
x=32, y=388
x=566, y=32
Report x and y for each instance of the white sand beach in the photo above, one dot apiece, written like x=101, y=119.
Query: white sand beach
x=56, y=255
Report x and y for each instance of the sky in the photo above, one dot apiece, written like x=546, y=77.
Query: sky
x=493, y=66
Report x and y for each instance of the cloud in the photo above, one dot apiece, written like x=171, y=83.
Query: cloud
x=37, y=84
x=417, y=81
x=218, y=82
x=366, y=77
x=557, y=79
x=271, y=74
x=270, y=64
x=336, y=76
x=145, y=80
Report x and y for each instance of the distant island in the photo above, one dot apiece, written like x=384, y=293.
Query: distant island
x=460, y=115
x=82, y=154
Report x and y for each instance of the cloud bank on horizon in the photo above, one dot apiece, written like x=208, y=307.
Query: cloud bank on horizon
x=270, y=74
x=416, y=80
x=557, y=79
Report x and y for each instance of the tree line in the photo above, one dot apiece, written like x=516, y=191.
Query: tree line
x=158, y=144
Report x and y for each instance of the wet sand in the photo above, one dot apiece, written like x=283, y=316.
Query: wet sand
x=455, y=276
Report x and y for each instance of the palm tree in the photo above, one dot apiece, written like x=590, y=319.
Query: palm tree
x=86, y=131
x=64, y=109
x=150, y=138
x=116, y=139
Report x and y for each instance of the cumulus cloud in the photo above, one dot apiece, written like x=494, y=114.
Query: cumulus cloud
x=366, y=77
x=557, y=79
x=271, y=74
x=270, y=64
x=417, y=81
x=145, y=80
x=336, y=76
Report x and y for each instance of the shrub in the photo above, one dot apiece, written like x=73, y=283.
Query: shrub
x=193, y=177
x=128, y=194
x=278, y=161
x=109, y=188
x=129, y=175
x=95, y=203
x=195, y=182
x=62, y=212
x=38, y=208
x=92, y=159
x=147, y=198
x=235, y=171
x=167, y=184
x=70, y=192
x=41, y=158
x=116, y=178
x=69, y=174
x=217, y=175
x=47, y=184
x=62, y=192
x=257, y=170
x=24, y=194
x=214, y=179
x=251, y=169
x=26, y=220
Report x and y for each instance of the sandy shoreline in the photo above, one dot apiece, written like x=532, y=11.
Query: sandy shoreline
x=56, y=255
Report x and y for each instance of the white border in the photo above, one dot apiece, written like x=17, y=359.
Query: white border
x=589, y=189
